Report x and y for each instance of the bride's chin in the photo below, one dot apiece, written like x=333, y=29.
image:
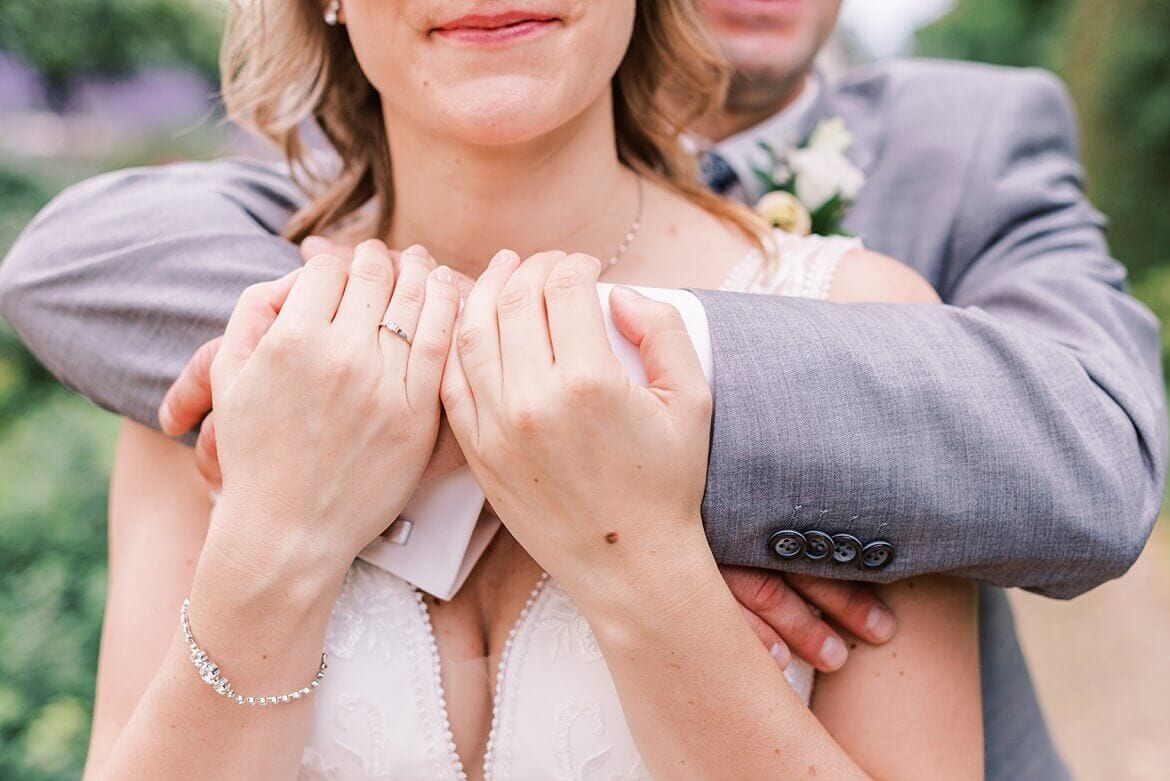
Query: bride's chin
x=503, y=112
x=498, y=127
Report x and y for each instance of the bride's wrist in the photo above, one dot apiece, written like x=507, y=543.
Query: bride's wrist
x=662, y=582
x=260, y=602
x=262, y=555
x=265, y=628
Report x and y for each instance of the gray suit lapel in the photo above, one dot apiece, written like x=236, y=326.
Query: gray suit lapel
x=867, y=127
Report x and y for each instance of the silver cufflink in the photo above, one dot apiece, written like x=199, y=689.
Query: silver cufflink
x=399, y=531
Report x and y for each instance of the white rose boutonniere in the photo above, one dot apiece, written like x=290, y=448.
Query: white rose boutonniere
x=812, y=185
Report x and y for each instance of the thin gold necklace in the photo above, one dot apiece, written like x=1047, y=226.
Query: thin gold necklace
x=632, y=233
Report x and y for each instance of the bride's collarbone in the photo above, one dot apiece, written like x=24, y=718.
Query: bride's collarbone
x=681, y=245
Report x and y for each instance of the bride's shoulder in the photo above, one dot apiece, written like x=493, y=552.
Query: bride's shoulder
x=865, y=276
x=685, y=243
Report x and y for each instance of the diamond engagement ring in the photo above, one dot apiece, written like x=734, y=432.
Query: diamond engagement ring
x=395, y=329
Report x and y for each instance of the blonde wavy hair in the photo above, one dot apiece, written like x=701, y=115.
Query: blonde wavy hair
x=282, y=65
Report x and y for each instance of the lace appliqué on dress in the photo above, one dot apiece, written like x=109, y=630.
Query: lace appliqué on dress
x=805, y=267
x=367, y=618
x=573, y=719
x=569, y=628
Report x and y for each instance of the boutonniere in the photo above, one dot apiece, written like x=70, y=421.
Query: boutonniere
x=808, y=189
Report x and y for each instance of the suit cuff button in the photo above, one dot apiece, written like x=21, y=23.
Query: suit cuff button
x=846, y=548
x=787, y=544
x=877, y=555
x=818, y=545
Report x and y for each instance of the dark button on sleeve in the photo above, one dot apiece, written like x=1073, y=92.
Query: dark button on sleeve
x=787, y=544
x=846, y=548
x=817, y=545
x=877, y=555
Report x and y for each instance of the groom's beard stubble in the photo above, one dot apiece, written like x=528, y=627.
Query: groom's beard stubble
x=761, y=94
x=751, y=99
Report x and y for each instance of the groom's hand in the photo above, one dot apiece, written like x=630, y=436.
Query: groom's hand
x=788, y=613
x=188, y=400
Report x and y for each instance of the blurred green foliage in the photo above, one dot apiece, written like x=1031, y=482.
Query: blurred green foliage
x=54, y=458
x=63, y=39
x=1115, y=57
x=55, y=452
x=21, y=195
x=55, y=447
x=1005, y=32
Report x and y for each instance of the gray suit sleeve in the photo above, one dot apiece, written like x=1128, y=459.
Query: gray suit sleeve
x=120, y=278
x=1016, y=435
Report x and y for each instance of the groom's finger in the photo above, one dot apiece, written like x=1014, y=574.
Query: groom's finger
x=776, y=647
x=188, y=400
x=853, y=606
x=207, y=454
x=767, y=595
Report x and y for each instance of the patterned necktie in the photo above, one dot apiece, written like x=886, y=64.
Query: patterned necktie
x=717, y=173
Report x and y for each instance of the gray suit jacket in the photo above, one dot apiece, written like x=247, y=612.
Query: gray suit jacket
x=1016, y=435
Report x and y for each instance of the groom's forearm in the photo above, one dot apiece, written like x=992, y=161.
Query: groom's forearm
x=117, y=282
x=973, y=447
x=1017, y=436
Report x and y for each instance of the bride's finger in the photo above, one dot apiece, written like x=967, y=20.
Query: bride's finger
x=658, y=331
x=478, y=337
x=255, y=313
x=525, y=349
x=320, y=245
x=315, y=295
x=371, y=278
x=458, y=401
x=575, y=321
x=406, y=304
x=432, y=338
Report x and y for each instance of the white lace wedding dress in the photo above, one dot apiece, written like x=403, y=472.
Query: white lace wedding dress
x=380, y=713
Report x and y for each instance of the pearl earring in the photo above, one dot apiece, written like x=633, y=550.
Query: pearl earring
x=331, y=12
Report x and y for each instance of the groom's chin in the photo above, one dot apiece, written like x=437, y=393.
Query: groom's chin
x=780, y=38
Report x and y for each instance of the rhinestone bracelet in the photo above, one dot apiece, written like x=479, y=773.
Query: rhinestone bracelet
x=210, y=674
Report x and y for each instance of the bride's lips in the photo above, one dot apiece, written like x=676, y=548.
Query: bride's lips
x=495, y=28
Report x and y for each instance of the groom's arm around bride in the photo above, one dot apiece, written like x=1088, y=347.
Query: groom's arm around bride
x=1016, y=436
x=1032, y=408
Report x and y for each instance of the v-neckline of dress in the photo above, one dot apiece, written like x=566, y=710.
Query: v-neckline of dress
x=737, y=278
x=488, y=758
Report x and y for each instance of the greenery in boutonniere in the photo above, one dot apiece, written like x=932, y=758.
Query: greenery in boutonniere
x=810, y=188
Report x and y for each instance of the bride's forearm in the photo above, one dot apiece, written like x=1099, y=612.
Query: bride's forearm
x=702, y=697
x=264, y=627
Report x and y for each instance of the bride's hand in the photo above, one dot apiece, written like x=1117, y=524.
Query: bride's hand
x=187, y=403
x=601, y=480
x=323, y=429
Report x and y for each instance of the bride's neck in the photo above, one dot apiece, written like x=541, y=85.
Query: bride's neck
x=565, y=190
